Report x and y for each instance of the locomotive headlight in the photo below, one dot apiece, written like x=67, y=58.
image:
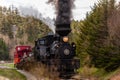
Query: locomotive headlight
x=65, y=39
x=66, y=51
x=18, y=49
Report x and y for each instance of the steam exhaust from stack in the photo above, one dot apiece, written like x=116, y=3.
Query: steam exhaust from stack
x=30, y=11
x=63, y=15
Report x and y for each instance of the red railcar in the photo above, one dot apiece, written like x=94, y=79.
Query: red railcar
x=21, y=52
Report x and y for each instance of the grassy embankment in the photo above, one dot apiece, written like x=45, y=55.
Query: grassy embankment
x=98, y=74
x=10, y=65
x=11, y=73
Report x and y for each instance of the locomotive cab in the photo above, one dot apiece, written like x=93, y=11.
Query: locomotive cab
x=42, y=47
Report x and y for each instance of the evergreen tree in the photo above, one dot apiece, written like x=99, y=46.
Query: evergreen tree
x=4, y=53
x=93, y=36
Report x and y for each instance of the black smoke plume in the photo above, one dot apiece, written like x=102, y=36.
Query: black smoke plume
x=63, y=10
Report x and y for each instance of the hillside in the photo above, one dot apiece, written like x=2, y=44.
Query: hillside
x=19, y=30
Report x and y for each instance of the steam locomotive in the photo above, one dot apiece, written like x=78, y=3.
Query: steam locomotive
x=55, y=50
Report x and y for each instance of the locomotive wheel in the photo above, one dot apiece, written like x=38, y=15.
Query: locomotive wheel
x=53, y=66
x=66, y=68
x=36, y=57
x=18, y=66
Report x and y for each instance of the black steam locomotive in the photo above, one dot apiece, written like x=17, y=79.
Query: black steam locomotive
x=56, y=50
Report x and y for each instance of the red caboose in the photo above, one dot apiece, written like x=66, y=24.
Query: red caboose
x=21, y=52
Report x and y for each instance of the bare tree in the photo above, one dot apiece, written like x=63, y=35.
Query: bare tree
x=114, y=27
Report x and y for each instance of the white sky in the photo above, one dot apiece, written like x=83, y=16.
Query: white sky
x=82, y=6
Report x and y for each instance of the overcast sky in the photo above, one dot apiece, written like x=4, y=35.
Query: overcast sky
x=47, y=10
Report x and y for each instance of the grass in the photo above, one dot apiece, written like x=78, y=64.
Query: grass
x=89, y=72
x=93, y=73
x=108, y=75
x=41, y=71
x=10, y=65
x=12, y=74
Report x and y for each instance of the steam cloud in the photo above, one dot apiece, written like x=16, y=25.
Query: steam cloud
x=63, y=10
x=30, y=11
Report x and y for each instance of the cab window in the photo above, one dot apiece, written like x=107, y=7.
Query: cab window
x=42, y=42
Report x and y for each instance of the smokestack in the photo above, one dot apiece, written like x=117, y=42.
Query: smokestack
x=63, y=16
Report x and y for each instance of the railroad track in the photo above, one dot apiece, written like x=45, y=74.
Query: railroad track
x=74, y=77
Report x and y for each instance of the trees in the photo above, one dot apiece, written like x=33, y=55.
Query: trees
x=4, y=53
x=94, y=36
x=19, y=30
x=27, y=25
